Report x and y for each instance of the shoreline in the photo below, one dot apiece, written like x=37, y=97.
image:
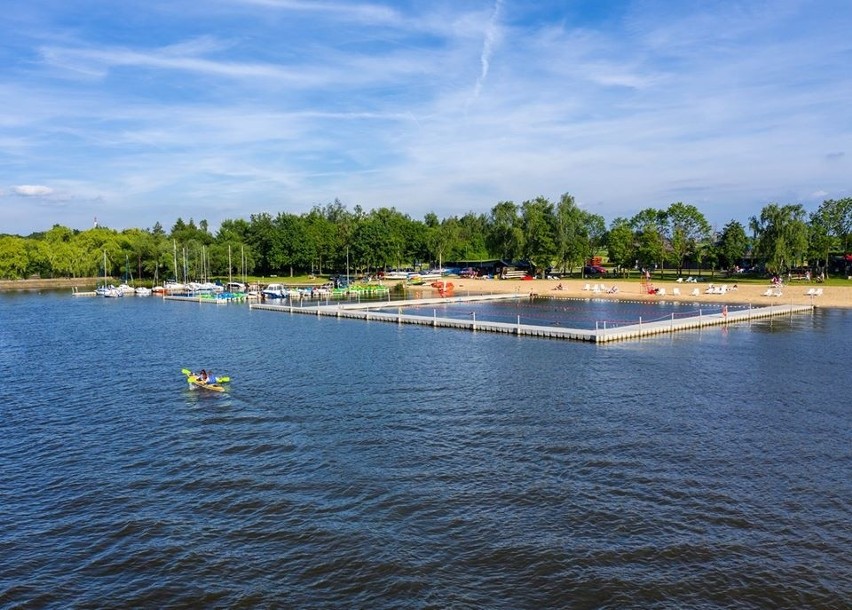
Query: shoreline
x=50, y=284
x=832, y=296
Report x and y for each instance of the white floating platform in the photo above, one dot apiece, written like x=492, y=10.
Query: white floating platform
x=365, y=311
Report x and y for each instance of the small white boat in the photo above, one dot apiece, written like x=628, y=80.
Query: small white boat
x=173, y=287
x=110, y=292
x=142, y=291
x=425, y=276
x=396, y=276
x=274, y=291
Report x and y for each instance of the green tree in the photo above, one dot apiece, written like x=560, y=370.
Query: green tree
x=781, y=236
x=687, y=229
x=571, y=233
x=620, y=243
x=504, y=235
x=650, y=227
x=593, y=233
x=472, y=230
x=733, y=244
x=538, y=223
x=14, y=259
x=831, y=226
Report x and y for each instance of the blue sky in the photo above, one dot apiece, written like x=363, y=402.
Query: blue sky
x=139, y=112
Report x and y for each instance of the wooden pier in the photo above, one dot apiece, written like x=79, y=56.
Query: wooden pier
x=601, y=334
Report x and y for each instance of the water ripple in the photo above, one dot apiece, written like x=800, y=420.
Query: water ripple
x=369, y=465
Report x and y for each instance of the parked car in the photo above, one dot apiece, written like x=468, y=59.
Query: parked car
x=594, y=270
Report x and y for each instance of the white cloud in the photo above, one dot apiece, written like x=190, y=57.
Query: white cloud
x=440, y=106
x=32, y=190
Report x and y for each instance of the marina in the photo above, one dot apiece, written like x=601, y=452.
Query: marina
x=378, y=312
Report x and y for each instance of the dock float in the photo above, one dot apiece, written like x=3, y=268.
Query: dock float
x=369, y=312
x=203, y=299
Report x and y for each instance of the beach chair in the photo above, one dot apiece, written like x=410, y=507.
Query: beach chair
x=596, y=288
x=768, y=292
x=811, y=292
x=587, y=287
x=695, y=292
x=818, y=292
x=661, y=292
x=679, y=280
x=676, y=291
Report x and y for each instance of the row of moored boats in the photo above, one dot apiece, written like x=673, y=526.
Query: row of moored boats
x=238, y=291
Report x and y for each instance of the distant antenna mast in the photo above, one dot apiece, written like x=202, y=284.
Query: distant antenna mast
x=96, y=222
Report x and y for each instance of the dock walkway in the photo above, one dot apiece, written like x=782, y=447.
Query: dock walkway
x=368, y=312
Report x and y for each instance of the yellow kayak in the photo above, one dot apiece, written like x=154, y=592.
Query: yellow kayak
x=198, y=383
x=215, y=387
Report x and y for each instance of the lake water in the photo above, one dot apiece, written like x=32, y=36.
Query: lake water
x=370, y=465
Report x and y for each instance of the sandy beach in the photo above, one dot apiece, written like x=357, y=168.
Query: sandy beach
x=796, y=293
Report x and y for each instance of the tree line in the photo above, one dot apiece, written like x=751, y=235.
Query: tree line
x=330, y=238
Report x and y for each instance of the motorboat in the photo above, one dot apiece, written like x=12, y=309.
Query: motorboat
x=274, y=291
x=109, y=292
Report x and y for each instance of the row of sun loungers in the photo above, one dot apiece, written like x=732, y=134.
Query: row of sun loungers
x=774, y=291
x=711, y=289
x=598, y=288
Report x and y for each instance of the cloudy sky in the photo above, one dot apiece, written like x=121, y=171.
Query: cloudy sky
x=139, y=112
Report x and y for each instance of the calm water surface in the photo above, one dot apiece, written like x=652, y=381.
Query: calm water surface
x=370, y=465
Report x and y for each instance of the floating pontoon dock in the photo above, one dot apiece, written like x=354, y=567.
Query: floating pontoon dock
x=368, y=312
